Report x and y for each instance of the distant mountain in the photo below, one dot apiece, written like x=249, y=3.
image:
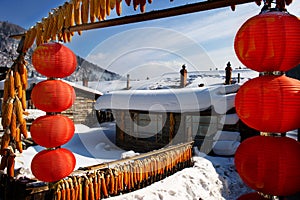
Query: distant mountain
x=8, y=47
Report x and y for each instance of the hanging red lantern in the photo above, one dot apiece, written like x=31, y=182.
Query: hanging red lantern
x=54, y=60
x=270, y=164
x=252, y=196
x=269, y=42
x=53, y=96
x=53, y=165
x=269, y=103
x=52, y=130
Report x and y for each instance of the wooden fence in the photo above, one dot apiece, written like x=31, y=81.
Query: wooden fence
x=104, y=180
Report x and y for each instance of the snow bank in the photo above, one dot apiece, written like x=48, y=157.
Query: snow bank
x=198, y=182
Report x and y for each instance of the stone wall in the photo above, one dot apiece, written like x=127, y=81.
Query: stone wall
x=82, y=111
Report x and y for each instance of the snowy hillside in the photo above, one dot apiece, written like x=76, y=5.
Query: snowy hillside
x=172, y=80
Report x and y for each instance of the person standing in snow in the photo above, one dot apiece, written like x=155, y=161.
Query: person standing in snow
x=183, y=75
x=228, y=71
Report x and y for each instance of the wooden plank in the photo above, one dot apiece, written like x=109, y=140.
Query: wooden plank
x=144, y=155
x=158, y=14
x=152, y=15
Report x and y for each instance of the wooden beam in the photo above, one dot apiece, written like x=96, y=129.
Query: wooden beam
x=152, y=15
x=141, y=156
x=158, y=14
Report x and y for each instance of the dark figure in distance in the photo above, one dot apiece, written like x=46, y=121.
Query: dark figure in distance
x=228, y=71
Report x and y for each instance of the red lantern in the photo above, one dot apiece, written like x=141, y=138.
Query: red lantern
x=252, y=196
x=52, y=130
x=269, y=42
x=53, y=165
x=269, y=103
x=53, y=96
x=54, y=60
x=270, y=164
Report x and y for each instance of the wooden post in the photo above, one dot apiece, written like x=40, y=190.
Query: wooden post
x=183, y=76
x=171, y=127
x=128, y=82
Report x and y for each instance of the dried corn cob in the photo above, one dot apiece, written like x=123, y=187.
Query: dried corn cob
x=72, y=188
x=32, y=37
x=61, y=18
x=95, y=185
x=97, y=8
x=85, y=11
x=23, y=129
x=77, y=17
x=76, y=188
x=128, y=2
x=91, y=189
x=117, y=181
x=77, y=13
x=23, y=100
x=5, y=140
x=80, y=188
x=103, y=9
x=112, y=4
x=48, y=34
x=112, y=182
x=7, y=113
x=68, y=191
x=11, y=165
x=18, y=135
x=19, y=146
x=21, y=66
x=136, y=4
x=26, y=41
x=6, y=91
x=119, y=7
x=71, y=14
x=92, y=11
x=11, y=85
x=19, y=110
x=103, y=186
x=107, y=7
x=17, y=79
x=45, y=22
x=143, y=5
x=55, y=24
x=86, y=188
x=13, y=126
x=67, y=15
x=99, y=184
x=24, y=80
x=63, y=190
x=57, y=194
x=39, y=33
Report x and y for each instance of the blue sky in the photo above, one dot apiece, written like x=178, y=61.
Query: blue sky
x=202, y=40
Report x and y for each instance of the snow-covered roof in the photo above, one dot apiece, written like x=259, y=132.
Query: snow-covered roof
x=221, y=98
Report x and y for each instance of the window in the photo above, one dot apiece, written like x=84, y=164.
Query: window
x=148, y=125
x=201, y=125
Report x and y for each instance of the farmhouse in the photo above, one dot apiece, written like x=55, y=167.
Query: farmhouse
x=152, y=119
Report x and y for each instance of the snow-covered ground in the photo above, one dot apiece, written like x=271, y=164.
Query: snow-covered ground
x=210, y=178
